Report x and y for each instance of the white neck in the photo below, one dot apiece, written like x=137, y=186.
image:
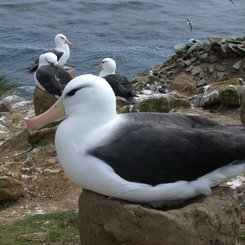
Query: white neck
x=104, y=73
x=66, y=50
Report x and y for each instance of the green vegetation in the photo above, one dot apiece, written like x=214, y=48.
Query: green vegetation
x=59, y=228
x=6, y=86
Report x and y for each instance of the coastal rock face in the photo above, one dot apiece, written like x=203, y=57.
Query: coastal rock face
x=196, y=65
x=203, y=221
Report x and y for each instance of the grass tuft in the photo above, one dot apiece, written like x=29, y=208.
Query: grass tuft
x=6, y=86
x=58, y=228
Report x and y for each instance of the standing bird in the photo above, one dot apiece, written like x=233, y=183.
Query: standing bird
x=50, y=76
x=61, y=50
x=121, y=86
x=154, y=158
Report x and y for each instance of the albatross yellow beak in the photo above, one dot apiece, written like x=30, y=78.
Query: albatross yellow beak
x=98, y=66
x=68, y=42
x=55, y=113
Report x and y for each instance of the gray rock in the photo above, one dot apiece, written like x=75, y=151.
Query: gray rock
x=189, y=68
x=196, y=70
x=201, y=82
x=203, y=221
x=206, y=99
x=220, y=67
x=237, y=65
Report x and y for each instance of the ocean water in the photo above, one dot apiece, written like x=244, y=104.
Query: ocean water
x=137, y=34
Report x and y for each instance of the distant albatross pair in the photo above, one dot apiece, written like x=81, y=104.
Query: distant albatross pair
x=61, y=50
x=153, y=158
x=50, y=76
x=121, y=86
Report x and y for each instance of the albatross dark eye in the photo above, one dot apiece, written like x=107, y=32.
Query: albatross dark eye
x=73, y=91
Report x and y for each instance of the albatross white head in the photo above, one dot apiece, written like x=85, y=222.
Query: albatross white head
x=87, y=101
x=108, y=66
x=47, y=59
x=61, y=40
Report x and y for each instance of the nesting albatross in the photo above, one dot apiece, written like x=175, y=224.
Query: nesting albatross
x=50, y=76
x=121, y=86
x=61, y=50
x=154, y=158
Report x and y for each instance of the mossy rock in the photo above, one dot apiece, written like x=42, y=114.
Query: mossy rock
x=157, y=103
x=230, y=96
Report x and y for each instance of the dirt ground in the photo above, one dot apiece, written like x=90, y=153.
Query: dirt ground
x=47, y=189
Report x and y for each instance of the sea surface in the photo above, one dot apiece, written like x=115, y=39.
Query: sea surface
x=137, y=34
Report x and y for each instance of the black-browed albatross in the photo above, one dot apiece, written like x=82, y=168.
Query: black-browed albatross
x=153, y=158
x=50, y=76
x=61, y=50
x=121, y=86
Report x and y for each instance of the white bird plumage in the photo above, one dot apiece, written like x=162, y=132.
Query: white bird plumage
x=91, y=121
x=61, y=50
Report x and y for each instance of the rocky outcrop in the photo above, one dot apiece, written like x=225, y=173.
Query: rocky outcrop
x=198, y=66
x=203, y=221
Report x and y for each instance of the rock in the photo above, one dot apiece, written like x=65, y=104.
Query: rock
x=219, y=67
x=201, y=82
x=3, y=107
x=206, y=99
x=237, y=65
x=242, y=112
x=42, y=100
x=156, y=103
x=229, y=96
x=11, y=185
x=196, y=70
x=153, y=103
x=203, y=221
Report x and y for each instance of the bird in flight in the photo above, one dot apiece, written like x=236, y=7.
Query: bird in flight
x=190, y=25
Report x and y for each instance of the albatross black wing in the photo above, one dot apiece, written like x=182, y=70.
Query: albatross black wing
x=158, y=153
x=53, y=78
x=121, y=86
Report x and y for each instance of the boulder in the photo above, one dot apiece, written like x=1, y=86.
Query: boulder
x=230, y=96
x=203, y=221
x=206, y=99
x=42, y=100
x=156, y=103
x=11, y=185
x=242, y=111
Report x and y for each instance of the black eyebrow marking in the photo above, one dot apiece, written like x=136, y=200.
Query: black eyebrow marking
x=73, y=91
x=49, y=61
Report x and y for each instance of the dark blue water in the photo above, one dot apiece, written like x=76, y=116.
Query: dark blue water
x=137, y=34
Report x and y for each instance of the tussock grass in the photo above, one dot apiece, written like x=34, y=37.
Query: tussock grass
x=6, y=86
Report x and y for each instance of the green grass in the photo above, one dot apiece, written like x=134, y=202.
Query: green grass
x=61, y=228
x=6, y=86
